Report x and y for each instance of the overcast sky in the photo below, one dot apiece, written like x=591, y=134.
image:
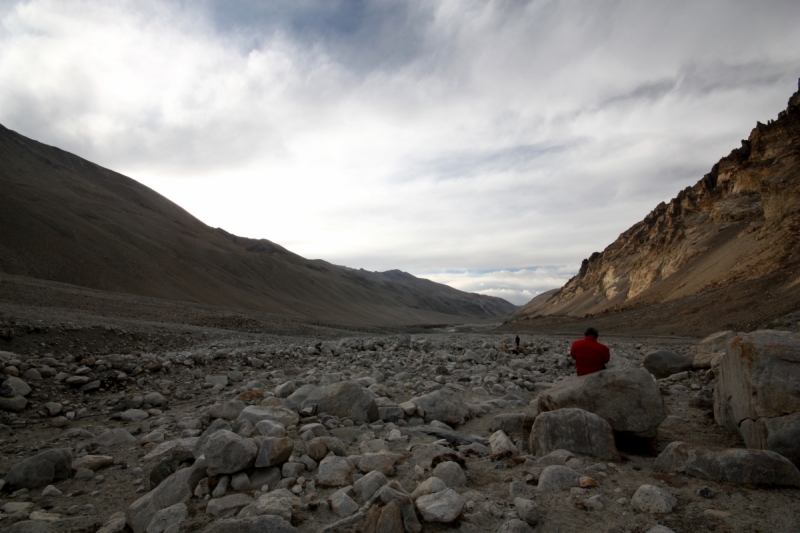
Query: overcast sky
x=488, y=145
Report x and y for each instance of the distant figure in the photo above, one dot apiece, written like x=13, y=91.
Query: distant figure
x=590, y=356
x=517, y=341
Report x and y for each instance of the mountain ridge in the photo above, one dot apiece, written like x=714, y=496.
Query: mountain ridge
x=739, y=223
x=68, y=220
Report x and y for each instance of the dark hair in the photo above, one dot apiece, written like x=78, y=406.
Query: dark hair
x=591, y=331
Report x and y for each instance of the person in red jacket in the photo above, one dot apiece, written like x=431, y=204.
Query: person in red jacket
x=590, y=356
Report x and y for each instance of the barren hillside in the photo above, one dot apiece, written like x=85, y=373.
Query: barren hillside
x=732, y=237
x=65, y=219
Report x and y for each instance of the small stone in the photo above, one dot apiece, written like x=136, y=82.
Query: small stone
x=451, y=474
x=587, y=482
x=342, y=504
x=527, y=510
x=444, y=506
x=50, y=490
x=334, y=471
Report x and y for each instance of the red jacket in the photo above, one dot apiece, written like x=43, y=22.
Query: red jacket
x=589, y=355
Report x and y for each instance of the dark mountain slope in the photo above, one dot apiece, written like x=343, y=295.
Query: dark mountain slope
x=65, y=219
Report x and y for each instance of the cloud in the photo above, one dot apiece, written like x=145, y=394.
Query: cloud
x=433, y=137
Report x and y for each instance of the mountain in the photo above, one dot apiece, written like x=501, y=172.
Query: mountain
x=725, y=249
x=68, y=220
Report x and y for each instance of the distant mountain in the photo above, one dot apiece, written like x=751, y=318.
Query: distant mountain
x=731, y=241
x=65, y=219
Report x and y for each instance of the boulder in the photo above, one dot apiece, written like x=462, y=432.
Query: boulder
x=345, y=399
x=173, y=515
x=441, y=405
x=227, y=453
x=664, y=363
x=575, y=430
x=386, y=519
x=259, y=524
x=228, y=505
x=40, y=469
x=113, y=437
x=651, y=499
x=734, y=465
x=557, y=477
x=501, y=445
x=628, y=399
x=758, y=391
x=177, y=488
x=273, y=451
x=226, y=410
x=444, y=506
x=256, y=413
x=451, y=474
x=366, y=486
x=527, y=510
x=296, y=399
x=709, y=351
x=334, y=471
x=18, y=386
x=279, y=502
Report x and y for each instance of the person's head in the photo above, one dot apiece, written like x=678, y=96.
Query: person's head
x=591, y=331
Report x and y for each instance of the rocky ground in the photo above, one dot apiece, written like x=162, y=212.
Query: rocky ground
x=226, y=424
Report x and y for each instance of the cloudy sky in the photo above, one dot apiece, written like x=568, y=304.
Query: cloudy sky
x=487, y=145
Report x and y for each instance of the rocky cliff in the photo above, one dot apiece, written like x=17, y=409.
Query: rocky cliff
x=739, y=224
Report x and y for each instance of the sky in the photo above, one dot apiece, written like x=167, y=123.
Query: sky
x=489, y=145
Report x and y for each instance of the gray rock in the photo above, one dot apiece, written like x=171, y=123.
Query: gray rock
x=273, y=451
x=557, y=477
x=651, y=499
x=628, y=399
x=758, y=391
x=284, y=390
x=664, y=363
x=527, y=510
x=177, y=488
x=217, y=381
x=575, y=430
x=18, y=386
x=381, y=462
x=342, y=504
x=734, y=465
x=511, y=424
x=366, y=486
x=444, y=506
x=259, y=524
x=113, y=437
x=154, y=399
x=451, y=474
x=345, y=400
x=515, y=526
x=296, y=399
x=710, y=350
x=229, y=410
x=28, y=526
x=501, y=445
x=292, y=469
x=660, y=529
x=227, y=452
x=279, y=502
x=386, y=495
x=132, y=415
x=429, y=486
x=334, y=471
x=240, y=482
x=557, y=457
x=40, y=469
x=228, y=505
x=14, y=404
x=270, y=428
x=442, y=406
x=174, y=515
x=280, y=414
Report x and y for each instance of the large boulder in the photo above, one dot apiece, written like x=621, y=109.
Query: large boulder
x=628, y=399
x=345, y=399
x=575, y=430
x=226, y=452
x=664, y=363
x=758, y=391
x=442, y=406
x=709, y=351
x=734, y=465
x=40, y=469
x=177, y=488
